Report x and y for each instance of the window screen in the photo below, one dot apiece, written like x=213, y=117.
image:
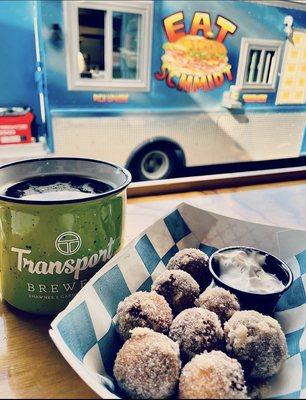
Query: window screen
x=258, y=64
x=261, y=66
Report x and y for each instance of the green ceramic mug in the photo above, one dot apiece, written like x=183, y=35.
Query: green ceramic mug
x=53, y=240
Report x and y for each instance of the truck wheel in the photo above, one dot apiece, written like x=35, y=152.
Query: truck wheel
x=154, y=163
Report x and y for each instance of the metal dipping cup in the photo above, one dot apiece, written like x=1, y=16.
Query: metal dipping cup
x=262, y=302
x=50, y=249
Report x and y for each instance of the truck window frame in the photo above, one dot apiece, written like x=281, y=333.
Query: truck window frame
x=248, y=44
x=74, y=81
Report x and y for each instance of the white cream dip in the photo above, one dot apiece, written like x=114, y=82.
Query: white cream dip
x=244, y=271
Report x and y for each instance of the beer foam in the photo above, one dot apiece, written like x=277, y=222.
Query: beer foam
x=57, y=188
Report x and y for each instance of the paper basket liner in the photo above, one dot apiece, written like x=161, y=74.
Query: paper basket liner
x=85, y=331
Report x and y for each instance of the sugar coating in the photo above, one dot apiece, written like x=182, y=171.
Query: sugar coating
x=196, y=330
x=259, y=388
x=178, y=288
x=220, y=301
x=193, y=261
x=143, y=309
x=212, y=375
x=148, y=365
x=257, y=341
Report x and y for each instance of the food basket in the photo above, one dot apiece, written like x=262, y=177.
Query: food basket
x=85, y=331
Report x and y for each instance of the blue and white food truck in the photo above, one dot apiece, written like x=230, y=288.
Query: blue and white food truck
x=157, y=85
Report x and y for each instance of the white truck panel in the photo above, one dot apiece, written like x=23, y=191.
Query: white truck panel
x=206, y=138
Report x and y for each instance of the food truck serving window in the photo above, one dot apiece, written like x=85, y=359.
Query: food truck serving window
x=108, y=44
x=258, y=64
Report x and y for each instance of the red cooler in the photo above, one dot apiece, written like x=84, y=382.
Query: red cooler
x=15, y=125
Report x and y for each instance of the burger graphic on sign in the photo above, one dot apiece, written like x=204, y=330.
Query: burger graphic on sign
x=198, y=59
x=196, y=55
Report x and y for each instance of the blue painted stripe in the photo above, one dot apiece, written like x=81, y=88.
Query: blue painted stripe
x=77, y=331
x=147, y=253
x=208, y=250
x=294, y=297
x=109, y=346
x=293, y=342
x=177, y=226
x=303, y=357
x=170, y=253
x=293, y=395
x=112, y=288
x=301, y=258
x=146, y=286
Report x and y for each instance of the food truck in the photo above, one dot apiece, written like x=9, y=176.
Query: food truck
x=159, y=85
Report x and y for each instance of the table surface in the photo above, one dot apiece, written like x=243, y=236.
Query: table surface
x=31, y=366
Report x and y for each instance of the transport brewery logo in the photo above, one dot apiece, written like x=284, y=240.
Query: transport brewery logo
x=68, y=243
x=198, y=59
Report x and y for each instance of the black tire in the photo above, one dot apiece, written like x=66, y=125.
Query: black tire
x=140, y=165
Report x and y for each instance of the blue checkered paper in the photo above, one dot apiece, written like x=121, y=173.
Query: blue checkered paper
x=85, y=331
